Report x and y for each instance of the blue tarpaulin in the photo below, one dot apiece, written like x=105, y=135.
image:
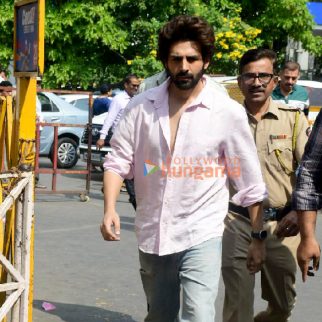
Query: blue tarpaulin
x=315, y=9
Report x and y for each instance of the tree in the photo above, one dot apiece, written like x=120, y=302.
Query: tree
x=6, y=32
x=281, y=19
x=222, y=14
x=91, y=41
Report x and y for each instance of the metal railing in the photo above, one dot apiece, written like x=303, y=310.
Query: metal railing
x=17, y=272
x=54, y=171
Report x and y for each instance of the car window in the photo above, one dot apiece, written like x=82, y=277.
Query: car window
x=81, y=103
x=46, y=104
x=315, y=96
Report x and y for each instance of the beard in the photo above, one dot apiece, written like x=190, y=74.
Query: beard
x=186, y=80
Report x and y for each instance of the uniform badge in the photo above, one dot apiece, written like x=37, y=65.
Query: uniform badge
x=278, y=137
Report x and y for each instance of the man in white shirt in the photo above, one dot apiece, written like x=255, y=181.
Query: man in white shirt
x=181, y=141
x=118, y=104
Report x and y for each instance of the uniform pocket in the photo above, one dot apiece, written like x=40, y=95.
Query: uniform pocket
x=280, y=154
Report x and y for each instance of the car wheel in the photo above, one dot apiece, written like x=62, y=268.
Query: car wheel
x=67, y=155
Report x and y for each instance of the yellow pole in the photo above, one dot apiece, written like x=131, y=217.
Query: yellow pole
x=25, y=124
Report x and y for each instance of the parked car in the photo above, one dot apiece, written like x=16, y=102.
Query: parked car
x=97, y=156
x=81, y=101
x=52, y=109
x=314, y=90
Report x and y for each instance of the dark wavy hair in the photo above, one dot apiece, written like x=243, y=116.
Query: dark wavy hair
x=255, y=55
x=186, y=28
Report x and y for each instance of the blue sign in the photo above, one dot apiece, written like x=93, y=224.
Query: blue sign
x=26, y=54
x=315, y=9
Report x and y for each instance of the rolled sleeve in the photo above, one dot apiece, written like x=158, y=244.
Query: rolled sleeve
x=249, y=182
x=250, y=195
x=120, y=160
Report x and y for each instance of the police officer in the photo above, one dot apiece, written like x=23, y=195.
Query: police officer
x=280, y=136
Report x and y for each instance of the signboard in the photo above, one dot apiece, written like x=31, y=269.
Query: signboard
x=26, y=38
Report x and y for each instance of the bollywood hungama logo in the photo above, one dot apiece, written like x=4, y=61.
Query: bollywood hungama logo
x=150, y=167
x=198, y=168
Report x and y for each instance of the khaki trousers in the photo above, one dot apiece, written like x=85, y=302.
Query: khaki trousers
x=277, y=275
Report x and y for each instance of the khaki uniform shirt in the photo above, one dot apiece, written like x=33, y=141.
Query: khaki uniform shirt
x=274, y=131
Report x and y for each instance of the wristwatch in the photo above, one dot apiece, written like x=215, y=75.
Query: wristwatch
x=261, y=235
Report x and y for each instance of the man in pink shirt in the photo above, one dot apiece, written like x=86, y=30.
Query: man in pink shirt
x=181, y=141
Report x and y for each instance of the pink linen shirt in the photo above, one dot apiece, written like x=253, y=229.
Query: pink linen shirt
x=182, y=199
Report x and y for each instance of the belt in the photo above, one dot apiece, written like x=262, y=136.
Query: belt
x=270, y=214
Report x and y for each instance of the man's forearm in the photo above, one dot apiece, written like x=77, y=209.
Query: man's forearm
x=307, y=223
x=112, y=185
x=256, y=216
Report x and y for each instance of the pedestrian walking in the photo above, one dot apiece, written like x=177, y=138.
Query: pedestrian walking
x=280, y=136
x=288, y=92
x=118, y=104
x=102, y=103
x=181, y=141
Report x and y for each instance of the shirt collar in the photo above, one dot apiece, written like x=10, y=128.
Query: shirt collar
x=271, y=111
x=279, y=92
x=126, y=95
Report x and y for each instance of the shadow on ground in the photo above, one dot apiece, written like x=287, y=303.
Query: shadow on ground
x=81, y=313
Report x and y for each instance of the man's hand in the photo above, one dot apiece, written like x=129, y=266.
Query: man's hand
x=110, y=227
x=100, y=143
x=308, y=250
x=288, y=225
x=256, y=255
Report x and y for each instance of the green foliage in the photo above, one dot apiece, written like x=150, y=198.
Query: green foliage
x=232, y=40
x=281, y=19
x=88, y=42
x=6, y=31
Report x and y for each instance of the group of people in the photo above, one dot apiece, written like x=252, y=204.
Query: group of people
x=230, y=188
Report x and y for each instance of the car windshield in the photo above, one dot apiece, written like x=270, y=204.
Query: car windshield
x=81, y=103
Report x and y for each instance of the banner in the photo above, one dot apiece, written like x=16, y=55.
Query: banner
x=26, y=39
